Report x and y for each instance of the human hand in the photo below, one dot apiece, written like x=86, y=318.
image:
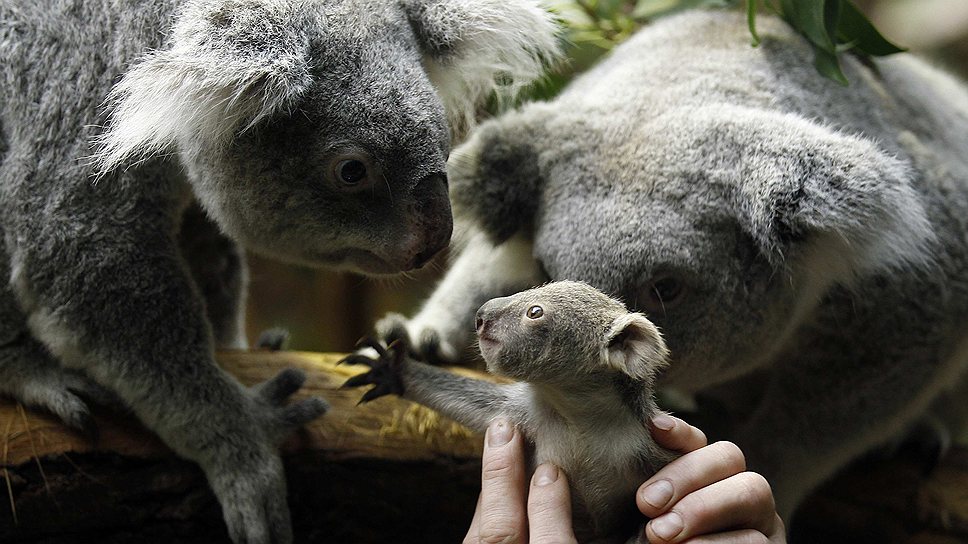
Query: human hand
x=706, y=496
x=507, y=510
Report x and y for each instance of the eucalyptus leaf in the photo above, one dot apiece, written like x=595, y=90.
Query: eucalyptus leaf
x=751, y=21
x=829, y=66
x=855, y=28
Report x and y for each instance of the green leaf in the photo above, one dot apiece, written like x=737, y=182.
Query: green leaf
x=831, y=19
x=751, y=21
x=808, y=18
x=855, y=28
x=828, y=65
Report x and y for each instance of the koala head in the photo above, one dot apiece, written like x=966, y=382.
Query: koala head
x=318, y=132
x=565, y=331
x=724, y=225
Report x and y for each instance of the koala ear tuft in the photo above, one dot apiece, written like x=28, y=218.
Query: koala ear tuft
x=495, y=178
x=634, y=346
x=474, y=48
x=229, y=66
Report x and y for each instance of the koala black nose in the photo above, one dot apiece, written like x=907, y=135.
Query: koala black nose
x=438, y=221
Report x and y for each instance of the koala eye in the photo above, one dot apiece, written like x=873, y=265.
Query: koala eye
x=663, y=292
x=350, y=172
x=535, y=312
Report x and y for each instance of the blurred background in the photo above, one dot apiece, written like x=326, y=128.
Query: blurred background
x=326, y=311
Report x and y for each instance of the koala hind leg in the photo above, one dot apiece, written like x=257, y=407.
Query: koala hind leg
x=217, y=265
x=31, y=375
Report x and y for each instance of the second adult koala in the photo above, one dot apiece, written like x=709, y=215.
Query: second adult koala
x=586, y=369
x=312, y=131
x=803, y=246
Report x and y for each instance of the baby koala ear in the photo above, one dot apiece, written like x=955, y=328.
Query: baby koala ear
x=474, y=48
x=635, y=347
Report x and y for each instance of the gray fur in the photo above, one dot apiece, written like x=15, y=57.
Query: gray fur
x=145, y=143
x=820, y=232
x=585, y=371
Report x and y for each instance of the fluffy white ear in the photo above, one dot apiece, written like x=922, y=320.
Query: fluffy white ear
x=634, y=346
x=475, y=48
x=212, y=81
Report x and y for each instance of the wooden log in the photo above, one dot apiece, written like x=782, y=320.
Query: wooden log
x=358, y=474
x=385, y=471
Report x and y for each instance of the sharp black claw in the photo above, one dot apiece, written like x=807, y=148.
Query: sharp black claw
x=358, y=380
x=356, y=359
x=375, y=393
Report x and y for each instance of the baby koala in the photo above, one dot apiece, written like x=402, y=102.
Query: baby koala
x=585, y=367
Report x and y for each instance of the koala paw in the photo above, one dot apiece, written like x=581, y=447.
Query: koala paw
x=284, y=419
x=274, y=339
x=245, y=472
x=424, y=343
x=65, y=393
x=254, y=503
x=385, y=371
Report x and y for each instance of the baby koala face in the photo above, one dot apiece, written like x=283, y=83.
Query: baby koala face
x=564, y=331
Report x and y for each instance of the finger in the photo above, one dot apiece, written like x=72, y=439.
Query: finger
x=744, y=536
x=743, y=501
x=503, y=500
x=675, y=434
x=688, y=473
x=472, y=533
x=549, y=507
x=278, y=389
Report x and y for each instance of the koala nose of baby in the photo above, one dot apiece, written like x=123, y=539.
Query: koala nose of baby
x=488, y=313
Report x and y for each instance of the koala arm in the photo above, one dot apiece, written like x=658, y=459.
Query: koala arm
x=473, y=403
x=104, y=288
x=444, y=327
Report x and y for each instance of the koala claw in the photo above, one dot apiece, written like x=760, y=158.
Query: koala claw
x=385, y=371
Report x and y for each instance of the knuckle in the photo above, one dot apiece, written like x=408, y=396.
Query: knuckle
x=496, y=469
x=731, y=455
x=756, y=489
x=498, y=537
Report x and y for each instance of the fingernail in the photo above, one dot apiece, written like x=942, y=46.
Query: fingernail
x=668, y=526
x=499, y=433
x=663, y=422
x=545, y=474
x=658, y=494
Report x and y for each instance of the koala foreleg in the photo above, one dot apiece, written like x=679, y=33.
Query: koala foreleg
x=473, y=403
x=444, y=327
x=114, y=300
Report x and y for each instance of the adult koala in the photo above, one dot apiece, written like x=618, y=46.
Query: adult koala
x=802, y=242
x=306, y=130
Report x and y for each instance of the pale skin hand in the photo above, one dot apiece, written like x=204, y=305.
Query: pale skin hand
x=704, y=497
